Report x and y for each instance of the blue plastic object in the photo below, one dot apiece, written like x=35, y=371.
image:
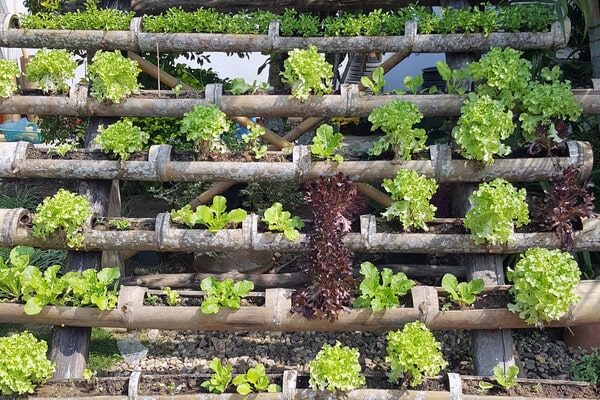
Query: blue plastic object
x=21, y=130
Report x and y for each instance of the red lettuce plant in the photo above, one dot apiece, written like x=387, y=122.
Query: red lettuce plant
x=567, y=201
x=328, y=260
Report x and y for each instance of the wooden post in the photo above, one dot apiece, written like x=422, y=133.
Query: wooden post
x=489, y=348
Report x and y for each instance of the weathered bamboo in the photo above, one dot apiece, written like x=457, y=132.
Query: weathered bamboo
x=275, y=315
x=167, y=237
x=160, y=168
x=138, y=41
x=580, y=314
x=348, y=104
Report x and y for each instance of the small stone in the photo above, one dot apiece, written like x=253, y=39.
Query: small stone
x=540, y=359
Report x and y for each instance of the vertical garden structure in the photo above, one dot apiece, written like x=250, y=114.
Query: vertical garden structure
x=349, y=103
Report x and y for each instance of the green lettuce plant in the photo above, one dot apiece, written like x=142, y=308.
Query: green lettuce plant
x=411, y=195
x=9, y=72
x=588, y=368
x=463, y=293
x=381, y=290
x=122, y=138
x=253, y=141
x=254, y=380
x=66, y=211
x=93, y=288
x=11, y=270
x=336, y=368
x=543, y=104
x=413, y=352
x=326, y=144
x=456, y=79
x=172, y=296
x=51, y=70
x=497, y=207
x=376, y=82
x=41, y=288
x=482, y=126
x=23, y=364
x=224, y=293
x=204, y=125
x=396, y=120
x=215, y=217
x=501, y=75
x=307, y=72
x=112, y=77
x=219, y=379
x=544, y=283
x=26, y=283
x=282, y=221
x=504, y=379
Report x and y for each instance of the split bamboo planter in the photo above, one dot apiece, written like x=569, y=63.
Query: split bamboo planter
x=349, y=103
x=161, y=167
x=135, y=39
x=292, y=391
x=167, y=237
x=275, y=314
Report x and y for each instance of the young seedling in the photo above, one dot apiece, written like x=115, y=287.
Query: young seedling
x=282, y=221
x=172, y=296
x=326, y=144
x=504, y=380
x=381, y=290
x=462, y=293
x=255, y=380
x=376, y=82
x=214, y=216
x=225, y=293
x=119, y=224
x=219, y=379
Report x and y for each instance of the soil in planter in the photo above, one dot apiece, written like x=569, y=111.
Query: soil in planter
x=488, y=299
x=537, y=389
x=172, y=384
x=138, y=224
x=196, y=300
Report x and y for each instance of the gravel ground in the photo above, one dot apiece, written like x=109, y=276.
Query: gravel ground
x=541, y=353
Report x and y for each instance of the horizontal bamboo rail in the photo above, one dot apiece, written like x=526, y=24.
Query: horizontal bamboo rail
x=275, y=315
x=168, y=237
x=159, y=167
x=135, y=39
x=349, y=103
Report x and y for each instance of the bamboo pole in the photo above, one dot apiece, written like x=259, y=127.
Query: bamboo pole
x=275, y=315
x=138, y=41
x=167, y=237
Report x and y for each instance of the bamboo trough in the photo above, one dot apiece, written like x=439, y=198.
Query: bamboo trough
x=135, y=39
x=160, y=167
x=168, y=237
x=275, y=314
x=349, y=103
